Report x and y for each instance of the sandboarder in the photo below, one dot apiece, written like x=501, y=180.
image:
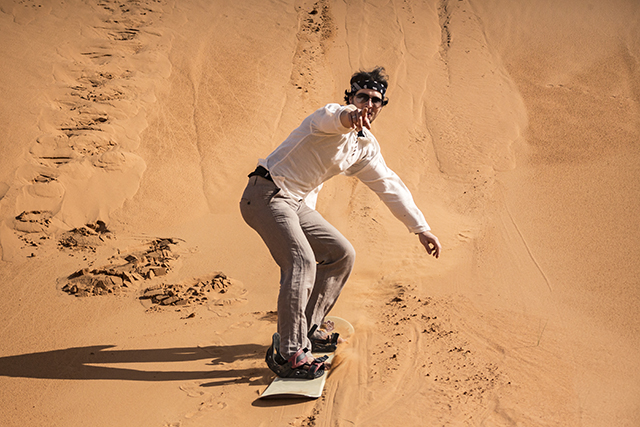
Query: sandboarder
x=315, y=259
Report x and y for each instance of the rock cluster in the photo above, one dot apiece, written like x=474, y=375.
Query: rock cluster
x=32, y=228
x=85, y=238
x=155, y=260
x=95, y=282
x=198, y=291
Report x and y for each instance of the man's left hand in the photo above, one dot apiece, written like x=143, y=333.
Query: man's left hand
x=430, y=243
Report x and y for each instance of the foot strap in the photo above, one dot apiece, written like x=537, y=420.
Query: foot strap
x=298, y=366
x=323, y=345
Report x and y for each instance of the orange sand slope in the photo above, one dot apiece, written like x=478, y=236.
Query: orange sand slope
x=134, y=295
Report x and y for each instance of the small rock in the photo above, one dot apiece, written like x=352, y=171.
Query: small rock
x=71, y=289
x=131, y=258
x=150, y=293
x=170, y=300
x=116, y=280
x=101, y=227
x=159, y=271
x=101, y=283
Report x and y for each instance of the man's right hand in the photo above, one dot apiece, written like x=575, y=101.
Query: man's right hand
x=356, y=119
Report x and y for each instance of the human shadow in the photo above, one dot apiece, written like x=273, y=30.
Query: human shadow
x=78, y=363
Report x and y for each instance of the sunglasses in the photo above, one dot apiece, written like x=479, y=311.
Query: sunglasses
x=364, y=98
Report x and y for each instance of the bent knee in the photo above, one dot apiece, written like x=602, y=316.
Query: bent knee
x=339, y=251
x=348, y=254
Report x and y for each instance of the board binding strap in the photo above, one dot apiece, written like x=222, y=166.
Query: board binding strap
x=307, y=388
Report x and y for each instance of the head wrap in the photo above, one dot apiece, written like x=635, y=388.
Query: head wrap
x=368, y=84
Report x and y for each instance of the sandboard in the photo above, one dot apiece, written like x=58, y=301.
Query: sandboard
x=296, y=387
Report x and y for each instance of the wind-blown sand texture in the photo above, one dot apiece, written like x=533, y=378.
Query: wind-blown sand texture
x=133, y=294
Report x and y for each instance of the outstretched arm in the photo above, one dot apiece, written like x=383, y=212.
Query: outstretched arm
x=355, y=119
x=373, y=172
x=430, y=243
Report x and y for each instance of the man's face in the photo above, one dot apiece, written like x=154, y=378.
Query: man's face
x=368, y=98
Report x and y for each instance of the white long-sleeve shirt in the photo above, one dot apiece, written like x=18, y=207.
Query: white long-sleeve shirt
x=321, y=147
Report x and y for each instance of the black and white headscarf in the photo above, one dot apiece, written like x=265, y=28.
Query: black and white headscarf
x=368, y=84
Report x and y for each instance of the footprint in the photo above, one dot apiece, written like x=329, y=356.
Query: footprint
x=103, y=81
x=223, y=302
x=124, y=35
x=111, y=160
x=268, y=316
x=33, y=221
x=53, y=150
x=194, y=390
x=91, y=143
x=218, y=312
x=241, y=325
x=26, y=11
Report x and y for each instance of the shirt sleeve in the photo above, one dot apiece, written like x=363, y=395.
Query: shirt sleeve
x=392, y=191
x=327, y=119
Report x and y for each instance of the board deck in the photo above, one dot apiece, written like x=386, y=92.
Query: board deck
x=296, y=387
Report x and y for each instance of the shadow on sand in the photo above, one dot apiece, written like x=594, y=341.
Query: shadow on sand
x=78, y=363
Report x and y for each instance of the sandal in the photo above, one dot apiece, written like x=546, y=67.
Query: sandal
x=298, y=365
x=324, y=345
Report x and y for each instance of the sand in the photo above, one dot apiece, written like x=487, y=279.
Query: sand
x=133, y=294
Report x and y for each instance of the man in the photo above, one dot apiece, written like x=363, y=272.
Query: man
x=315, y=259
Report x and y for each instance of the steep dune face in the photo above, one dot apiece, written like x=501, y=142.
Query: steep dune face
x=515, y=125
x=574, y=196
x=100, y=70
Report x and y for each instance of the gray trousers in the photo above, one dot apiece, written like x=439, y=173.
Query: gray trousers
x=315, y=260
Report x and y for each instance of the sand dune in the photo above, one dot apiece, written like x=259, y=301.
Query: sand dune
x=127, y=129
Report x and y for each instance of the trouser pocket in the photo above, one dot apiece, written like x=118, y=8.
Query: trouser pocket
x=256, y=199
